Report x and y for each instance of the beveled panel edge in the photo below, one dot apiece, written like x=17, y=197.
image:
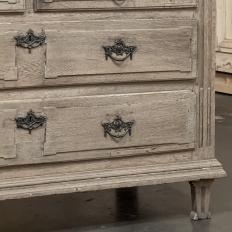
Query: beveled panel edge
x=38, y=8
x=20, y=7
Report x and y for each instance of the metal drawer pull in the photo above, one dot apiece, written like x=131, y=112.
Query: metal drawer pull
x=118, y=125
x=30, y=40
x=120, y=49
x=30, y=122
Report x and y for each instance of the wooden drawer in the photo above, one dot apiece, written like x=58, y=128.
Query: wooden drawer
x=74, y=52
x=67, y=5
x=74, y=126
x=12, y=5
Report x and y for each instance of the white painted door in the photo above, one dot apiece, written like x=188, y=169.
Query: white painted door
x=224, y=36
x=223, y=81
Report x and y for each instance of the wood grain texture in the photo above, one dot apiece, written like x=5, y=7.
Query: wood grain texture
x=81, y=59
x=30, y=67
x=42, y=184
x=74, y=125
x=79, y=54
x=200, y=191
x=167, y=89
x=7, y=134
x=12, y=5
x=67, y=5
x=206, y=75
x=8, y=67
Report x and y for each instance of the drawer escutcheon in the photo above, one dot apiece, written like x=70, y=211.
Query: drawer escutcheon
x=30, y=40
x=118, y=125
x=30, y=122
x=120, y=49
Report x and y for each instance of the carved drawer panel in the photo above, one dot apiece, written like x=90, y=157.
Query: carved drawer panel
x=77, y=52
x=67, y=5
x=91, y=127
x=71, y=53
x=12, y=5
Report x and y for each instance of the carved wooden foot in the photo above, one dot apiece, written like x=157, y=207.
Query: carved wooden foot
x=200, y=191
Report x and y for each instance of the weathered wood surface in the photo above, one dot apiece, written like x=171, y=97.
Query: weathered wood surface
x=79, y=54
x=41, y=181
x=200, y=191
x=7, y=130
x=8, y=67
x=67, y=5
x=167, y=89
x=12, y=5
x=72, y=56
x=74, y=124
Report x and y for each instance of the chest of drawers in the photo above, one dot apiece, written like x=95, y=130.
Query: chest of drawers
x=107, y=94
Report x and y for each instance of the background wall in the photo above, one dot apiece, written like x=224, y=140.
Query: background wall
x=223, y=81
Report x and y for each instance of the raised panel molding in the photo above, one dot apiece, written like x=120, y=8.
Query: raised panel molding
x=70, y=5
x=12, y=5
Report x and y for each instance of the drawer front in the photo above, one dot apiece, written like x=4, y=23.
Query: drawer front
x=82, y=53
x=74, y=126
x=12, y=5
x=67, y=5
x=76, y=52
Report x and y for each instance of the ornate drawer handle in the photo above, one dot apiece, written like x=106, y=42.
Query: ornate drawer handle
x=118, y=125
x=30, y=40
x=119, y=48
x=30, y=122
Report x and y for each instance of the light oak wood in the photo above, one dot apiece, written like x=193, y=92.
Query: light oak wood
x=148, y=56
x=67, y=5
x=12, y=5
x=74, y=123
x=200, y=191
x=66, y=181
x=58, y=57
x=167, y=89
x=8, y=68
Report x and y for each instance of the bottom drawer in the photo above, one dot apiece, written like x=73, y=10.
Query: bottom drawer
x=89, y=127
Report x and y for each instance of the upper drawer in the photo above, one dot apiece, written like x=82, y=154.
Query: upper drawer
x=75, y=52
x=12, y=5
x=153, y=48
x=67, y=5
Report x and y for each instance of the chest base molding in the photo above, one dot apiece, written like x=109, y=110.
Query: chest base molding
x=31, y=184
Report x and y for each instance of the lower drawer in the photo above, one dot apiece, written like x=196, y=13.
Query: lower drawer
x=93, y=127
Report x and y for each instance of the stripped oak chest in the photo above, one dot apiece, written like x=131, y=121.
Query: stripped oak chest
x=98, y=94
